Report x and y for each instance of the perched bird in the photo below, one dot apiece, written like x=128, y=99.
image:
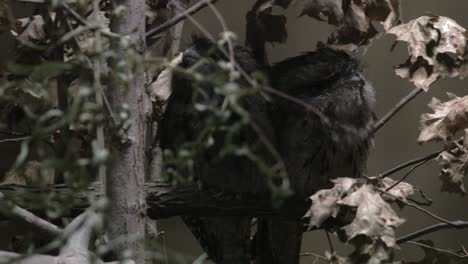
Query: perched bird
x=194, y=119
x=327, y=139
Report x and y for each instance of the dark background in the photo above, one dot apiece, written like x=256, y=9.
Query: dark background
x=394, y=144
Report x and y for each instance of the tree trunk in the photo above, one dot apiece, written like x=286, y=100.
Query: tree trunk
x=126, y=175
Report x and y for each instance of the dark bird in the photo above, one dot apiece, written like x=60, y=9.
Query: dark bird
x=327, y=140
x=216, y=138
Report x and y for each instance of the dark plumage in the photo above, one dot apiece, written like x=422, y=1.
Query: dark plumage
x=334, y=143
x=225, y=239
x=328, y=141
x=316, y=145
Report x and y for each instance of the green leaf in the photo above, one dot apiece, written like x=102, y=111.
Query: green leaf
x=49, y=70
x=20, y=69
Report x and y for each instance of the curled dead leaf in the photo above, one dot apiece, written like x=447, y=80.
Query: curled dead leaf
x=454, y=163
x=437, y=46
x=374, y=218
x=372, y=231
x=32, y=30
x=353, y=18
x=448, y=118
x=161, y=88
x=263, y=26
x=325, y=202
x=396, y=190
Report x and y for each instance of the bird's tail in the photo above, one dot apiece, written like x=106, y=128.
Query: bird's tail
x=278, y=241
x=226, y=240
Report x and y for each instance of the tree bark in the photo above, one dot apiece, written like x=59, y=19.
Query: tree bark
x=164, y=200
x=126, y=174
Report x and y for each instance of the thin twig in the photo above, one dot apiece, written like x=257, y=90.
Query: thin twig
x=173, y=21
x=424, y=196
x=446, y=251
x=409, y=163
x=17, y=212
x=332, y=249
x=396, y=108
x=429, y=213
x=430, y=229
x=85, y=23
x=14, y=139
x=223, y=24
x=308, y=254
x=407, y=174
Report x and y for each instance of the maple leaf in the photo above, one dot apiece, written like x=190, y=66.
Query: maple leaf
x=396, y=190
x=433, y=255
x=448, y=118
x=263, y=26
x=325, y=202
x=353, y=18
x=374, y=218
x=454, y=164
x=437, y=46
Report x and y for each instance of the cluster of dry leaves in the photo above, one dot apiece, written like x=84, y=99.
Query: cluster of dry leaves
x=354, y=19
x=372, y=228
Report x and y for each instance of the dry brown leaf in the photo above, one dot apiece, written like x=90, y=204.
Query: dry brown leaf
x=325, y=202
x=262, y=5
x=161, y=88
x=448, y=118
x=353, y=18
x=372, y=230
x=401, y=191
x=454, y=164
x=324, y=10
x=436, y=46
x=374, y=218
x=33, y=30
x=263, y=26
x=434, y=256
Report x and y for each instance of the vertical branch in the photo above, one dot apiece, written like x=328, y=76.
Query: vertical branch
x=61, y=95
x=155, y=162
x=180, y=7
x=97, y=64
x=126, y=174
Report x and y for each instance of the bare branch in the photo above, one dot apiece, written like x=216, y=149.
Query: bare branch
x=85, y=23
x=14, y=139
x=433, y=228
x=438, y=249
x=310, y=254
x=75, y=251
x=173, y=21
x=79, y=233
x=37, y=222
x=407, y=174
x=164, y=200
x=409, y=163
x=397, y=108
x=429, y=213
